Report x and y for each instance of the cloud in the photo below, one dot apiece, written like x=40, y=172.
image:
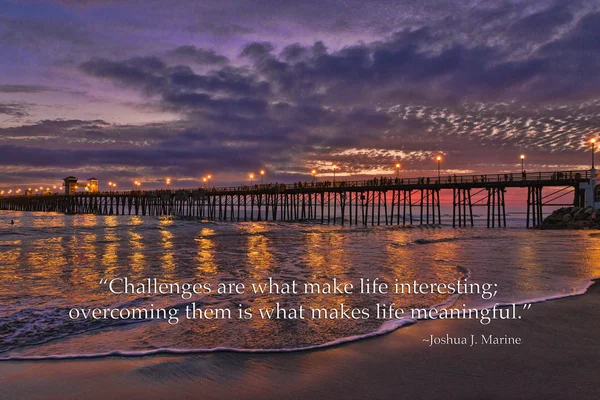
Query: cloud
x=541, y=24
x=26, y=89
x=478, y=83
x=197, y=55
x=14, y=109
x=22, y=31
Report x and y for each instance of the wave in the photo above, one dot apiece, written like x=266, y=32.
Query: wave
x=386, y=327
x=449, y=239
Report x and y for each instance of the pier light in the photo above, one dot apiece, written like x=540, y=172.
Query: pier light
x=334, y=168
x=593, y=142
x=314, y=174
x=168, y=182
x=2, y=192
x=262, y=176
x=439, y=161
x=522, y=163
x=398, y=170
x=251, y=178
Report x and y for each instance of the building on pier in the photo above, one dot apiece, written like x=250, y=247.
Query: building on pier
x=92, y=185
x=70, y=185
x=591, y=190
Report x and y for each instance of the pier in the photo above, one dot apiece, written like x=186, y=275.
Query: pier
x=378, y=201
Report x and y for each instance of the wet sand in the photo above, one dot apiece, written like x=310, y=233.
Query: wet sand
x=559, y=358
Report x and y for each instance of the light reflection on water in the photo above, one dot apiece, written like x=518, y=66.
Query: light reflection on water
x=51, y=262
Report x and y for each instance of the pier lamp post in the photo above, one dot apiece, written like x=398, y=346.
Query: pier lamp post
x=397, y=170
x=262, y=176
x=204, y=183
x=439, y=160
x=209, y=177
x=522, y=163
x=593, y=141
x=251, y=179
x=314, y=174
x=168, y=183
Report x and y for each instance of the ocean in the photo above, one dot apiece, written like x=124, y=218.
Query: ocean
x=52, y=264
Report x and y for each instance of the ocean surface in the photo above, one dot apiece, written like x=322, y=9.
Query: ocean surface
x=53, y=263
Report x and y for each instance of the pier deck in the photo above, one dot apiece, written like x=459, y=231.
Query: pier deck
x=368, y=202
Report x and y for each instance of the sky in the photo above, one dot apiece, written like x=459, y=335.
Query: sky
x=147, y=90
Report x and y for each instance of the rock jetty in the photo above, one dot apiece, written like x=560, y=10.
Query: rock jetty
x=573, y=218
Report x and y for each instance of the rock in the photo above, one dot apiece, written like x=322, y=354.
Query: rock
x=572, y=218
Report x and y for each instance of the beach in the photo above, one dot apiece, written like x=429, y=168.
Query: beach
x=558, y=359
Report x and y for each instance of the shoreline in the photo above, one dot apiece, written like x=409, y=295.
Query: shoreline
x=557, y=336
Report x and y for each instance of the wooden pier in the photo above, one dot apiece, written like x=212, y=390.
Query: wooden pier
x=379, y=201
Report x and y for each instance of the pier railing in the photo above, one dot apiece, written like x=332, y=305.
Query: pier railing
x=378, y=201
x=447, y=181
